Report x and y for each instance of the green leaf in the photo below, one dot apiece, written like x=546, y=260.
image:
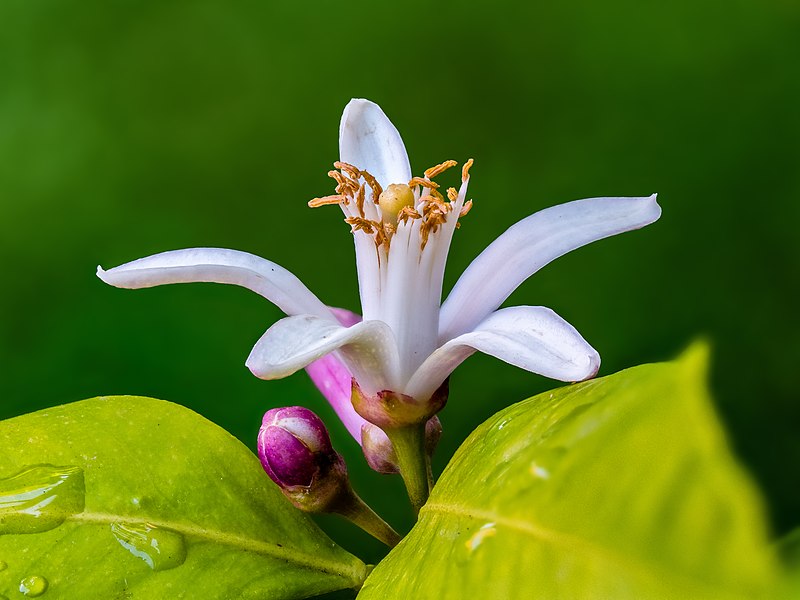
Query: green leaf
x=789, y=550
x=621, y=487
x=126, y=498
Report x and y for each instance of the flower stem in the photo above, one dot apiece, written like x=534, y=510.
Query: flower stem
x=409, y=445
x=354, y=509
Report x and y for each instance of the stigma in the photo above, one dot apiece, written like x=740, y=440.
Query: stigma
x=395, y=198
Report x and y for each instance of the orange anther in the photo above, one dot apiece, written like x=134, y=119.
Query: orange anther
x=316, y=202
x=439, y=169
x=423, y=182
x=373, y=184
x=465, y=170
x=347, y=168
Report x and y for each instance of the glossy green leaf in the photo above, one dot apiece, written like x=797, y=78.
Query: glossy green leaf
x=622, y=488
x=134, y=498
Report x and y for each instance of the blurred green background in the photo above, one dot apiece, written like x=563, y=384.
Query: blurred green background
x=128, y=128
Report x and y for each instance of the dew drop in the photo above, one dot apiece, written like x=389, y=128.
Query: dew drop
x=545, y=463
x=33, y=586
x=487, y=531
x=539, y=471
x=160, y=548
x=40, y=498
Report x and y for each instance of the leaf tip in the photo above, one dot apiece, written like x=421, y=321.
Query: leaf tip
x=696, y=358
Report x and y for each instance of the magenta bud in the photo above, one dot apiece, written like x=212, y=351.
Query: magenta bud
x=295, y=451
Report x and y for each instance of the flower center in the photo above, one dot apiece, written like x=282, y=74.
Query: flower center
x=418, y=203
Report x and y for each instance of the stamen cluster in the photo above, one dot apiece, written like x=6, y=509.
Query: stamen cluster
x=377, y=217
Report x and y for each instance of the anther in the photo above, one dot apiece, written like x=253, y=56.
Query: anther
x=465, y=170
x=316, y=202
x=351, y=171
x=423, y=182
x=373, y=184
x=361, y=224
x=408, y=212
x=439, y=169
x=360, y=199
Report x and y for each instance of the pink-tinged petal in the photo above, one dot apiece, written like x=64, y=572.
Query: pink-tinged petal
x=529, y=245
x=533, y=338
x=218, y=265
x=369, y=142
x=367, y=349
x=334, y=380
x=346, y=318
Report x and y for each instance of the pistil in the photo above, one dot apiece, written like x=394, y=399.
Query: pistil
x=394, y=199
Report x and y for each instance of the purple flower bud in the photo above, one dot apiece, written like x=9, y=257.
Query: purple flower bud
x=295, y=451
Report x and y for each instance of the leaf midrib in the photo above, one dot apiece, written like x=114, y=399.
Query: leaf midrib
x=576, y=543
x=355, y=575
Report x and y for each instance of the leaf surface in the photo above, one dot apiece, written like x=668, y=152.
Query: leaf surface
x=135, y=498
x=622, y=487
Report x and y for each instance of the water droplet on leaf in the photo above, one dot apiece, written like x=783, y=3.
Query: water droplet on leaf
x=487, y=531
x=40, y=498
x=160, y=548
x=545, y=463
x=33, y=586
x=539, y=471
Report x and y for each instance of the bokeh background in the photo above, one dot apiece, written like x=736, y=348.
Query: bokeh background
x=128, y=128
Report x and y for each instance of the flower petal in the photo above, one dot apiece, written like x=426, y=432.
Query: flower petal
x=533, y=338
x=334, y=380
x=346, y=318
x=367, y=349
x=529, y=245
x=369, y=142
x=217, y=265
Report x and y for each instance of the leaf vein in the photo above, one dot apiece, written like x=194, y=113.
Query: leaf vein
x=355, y=575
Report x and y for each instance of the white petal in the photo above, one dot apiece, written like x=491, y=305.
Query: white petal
x=369, y=142
x=529, y=245
x=368, y=349
x=217, y=265
x=533, y=338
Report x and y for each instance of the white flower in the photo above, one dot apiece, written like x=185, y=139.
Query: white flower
x=408, y=341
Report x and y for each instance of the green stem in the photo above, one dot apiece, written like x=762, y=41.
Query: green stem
x=354, y=509
x=409, y=446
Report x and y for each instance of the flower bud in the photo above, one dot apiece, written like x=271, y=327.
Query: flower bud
x=295, y=451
